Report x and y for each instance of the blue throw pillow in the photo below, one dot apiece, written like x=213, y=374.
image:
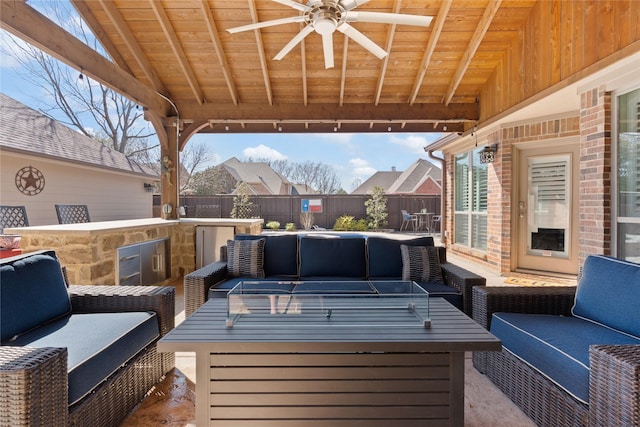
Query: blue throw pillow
x=385, y=259
x=609, y=293
x=33, y=292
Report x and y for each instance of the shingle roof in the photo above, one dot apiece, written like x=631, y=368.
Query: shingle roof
x=414, y=176
x=408, y=181
x=384, y=179
x=23, y=129
x=260, y=176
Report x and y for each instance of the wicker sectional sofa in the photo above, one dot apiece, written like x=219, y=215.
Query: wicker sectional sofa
x=571, y=356
x=76, y=355
x=331, y=257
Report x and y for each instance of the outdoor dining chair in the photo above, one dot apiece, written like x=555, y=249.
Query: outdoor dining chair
x=13, y=216
x=72, y=214
x=435, y=223
x=408, y=219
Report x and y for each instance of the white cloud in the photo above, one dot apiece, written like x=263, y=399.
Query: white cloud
x=413, y=143
x=361, y=168
x=336, y=138
x=263, y=152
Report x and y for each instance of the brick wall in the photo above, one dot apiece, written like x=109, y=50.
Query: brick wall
x=595, y=172
x=501, y=184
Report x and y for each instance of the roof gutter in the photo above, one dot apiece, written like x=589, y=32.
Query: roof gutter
x=443, y=191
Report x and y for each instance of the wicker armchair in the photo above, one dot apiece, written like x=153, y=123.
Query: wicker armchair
x=33, y=381
x=614, y=385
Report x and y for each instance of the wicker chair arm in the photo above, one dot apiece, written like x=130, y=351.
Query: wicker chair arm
x=463, y=281
x=33, y=386
x=101, y=299
x=520, y=299
x=614, y=385
x=197, y=284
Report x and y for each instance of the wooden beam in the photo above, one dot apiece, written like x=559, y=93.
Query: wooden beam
x=472, y=47
x=303, y=59
x=343, y=75
x=217, y=45
x=97, y=30
x=25, y=22
x=431, y=46
x=132, y=44
x=326, y=127
x=385, y=61
x=261, y=54
x=178, y=51
x=297, y=112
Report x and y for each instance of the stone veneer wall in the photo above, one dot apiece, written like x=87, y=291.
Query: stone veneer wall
x=90, y=257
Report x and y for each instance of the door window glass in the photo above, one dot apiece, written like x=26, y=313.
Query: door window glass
x=549, y=206
x=628, y=183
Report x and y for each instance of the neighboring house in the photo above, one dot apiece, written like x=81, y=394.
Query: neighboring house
x=422, y=177
x=43, y=163
x=564, y=182
x=261, y=179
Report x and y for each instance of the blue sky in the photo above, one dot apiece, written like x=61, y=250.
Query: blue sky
x=354, y=157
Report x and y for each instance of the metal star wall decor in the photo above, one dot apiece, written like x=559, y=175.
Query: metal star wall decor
x=30, y=181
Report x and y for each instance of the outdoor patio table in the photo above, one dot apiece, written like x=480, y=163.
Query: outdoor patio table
x=281, y=370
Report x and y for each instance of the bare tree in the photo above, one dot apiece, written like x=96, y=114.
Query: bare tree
x=316, y=175
x=319, y=176
x=92, y=108
x=213, y=180
x=95, y=110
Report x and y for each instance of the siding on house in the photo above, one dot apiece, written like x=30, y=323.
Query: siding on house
x=76, y=169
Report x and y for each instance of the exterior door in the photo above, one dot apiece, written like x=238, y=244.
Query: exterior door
x=546, y=209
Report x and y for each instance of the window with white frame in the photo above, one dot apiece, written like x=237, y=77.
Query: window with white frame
x=628, y=176
x=470, y=217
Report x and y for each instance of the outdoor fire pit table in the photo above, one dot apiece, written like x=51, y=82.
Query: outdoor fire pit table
x=303, y=354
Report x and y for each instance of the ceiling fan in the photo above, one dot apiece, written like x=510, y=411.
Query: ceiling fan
x=326, y=16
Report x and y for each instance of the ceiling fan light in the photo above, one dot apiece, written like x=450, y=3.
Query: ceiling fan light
x=324, y=25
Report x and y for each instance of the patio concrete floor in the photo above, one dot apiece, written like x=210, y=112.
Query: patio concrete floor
x=172, y=402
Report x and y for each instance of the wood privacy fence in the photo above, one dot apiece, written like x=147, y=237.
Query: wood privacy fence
x=285, y=209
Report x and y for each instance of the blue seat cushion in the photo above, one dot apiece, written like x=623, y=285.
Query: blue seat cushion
x=33, y=292
x=280, y=253
x=609, y=293
x=326, y=257
x=557, y=346
x=385, y=259
x=220, y=290
x=97, y=344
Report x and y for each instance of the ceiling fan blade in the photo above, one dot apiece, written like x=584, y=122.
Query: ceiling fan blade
x=294, y=42
x=294, y=4
x=258, y=25
x=352, y=4
x=327, y=47
x=362, y=40
x=389, y=18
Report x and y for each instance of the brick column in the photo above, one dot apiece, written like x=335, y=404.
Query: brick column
x=595, y=172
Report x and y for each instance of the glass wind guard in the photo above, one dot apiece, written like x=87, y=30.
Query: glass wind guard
x=328, y=304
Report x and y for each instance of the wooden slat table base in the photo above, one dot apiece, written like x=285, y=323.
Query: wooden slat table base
x=322, y=389
x=285, y=374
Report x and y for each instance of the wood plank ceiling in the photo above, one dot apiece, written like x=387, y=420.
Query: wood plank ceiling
x=222, y=82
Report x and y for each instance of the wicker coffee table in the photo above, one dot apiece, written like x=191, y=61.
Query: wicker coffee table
x=299, y=366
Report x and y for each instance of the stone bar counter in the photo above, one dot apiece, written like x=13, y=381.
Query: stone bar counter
x=89, y=250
